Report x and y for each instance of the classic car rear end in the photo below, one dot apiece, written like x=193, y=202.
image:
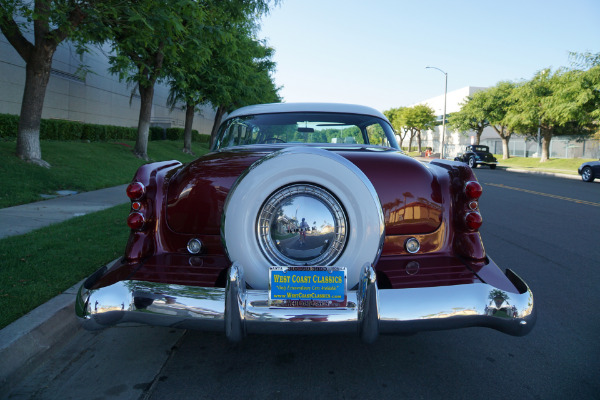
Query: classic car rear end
x=306, y=218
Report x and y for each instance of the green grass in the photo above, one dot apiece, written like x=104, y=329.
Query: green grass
x=39, y=265
x=556, y=165
x=78, y=166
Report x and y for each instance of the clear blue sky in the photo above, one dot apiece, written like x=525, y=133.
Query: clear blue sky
x=375, y=52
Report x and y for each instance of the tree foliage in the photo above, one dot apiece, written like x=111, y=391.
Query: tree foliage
x=563, y=102
x=486, y=108
x=410, y=121
x=473, y=115
x=418, y=118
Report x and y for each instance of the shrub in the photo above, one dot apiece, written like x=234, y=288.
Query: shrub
x=202, y=138
x=175, y=133
x=58, y=129
x=9, y=125
x=157, y=133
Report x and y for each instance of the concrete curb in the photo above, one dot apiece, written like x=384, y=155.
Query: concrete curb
x=527, y=171
x=25, y=342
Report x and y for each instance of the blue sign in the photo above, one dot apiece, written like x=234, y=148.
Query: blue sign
x=307, y=286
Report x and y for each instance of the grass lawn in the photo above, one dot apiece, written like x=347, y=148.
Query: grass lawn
x=78, y=166
x=558, y=165
x=39, y=265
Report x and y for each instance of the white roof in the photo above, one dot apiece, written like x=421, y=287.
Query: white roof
x=306, y=107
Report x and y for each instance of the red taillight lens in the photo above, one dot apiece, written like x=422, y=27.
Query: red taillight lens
x=135, y=221
x=135, y=190
x=473, y=189
x=473, y=220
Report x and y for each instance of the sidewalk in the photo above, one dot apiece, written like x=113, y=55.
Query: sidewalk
x=28, y=217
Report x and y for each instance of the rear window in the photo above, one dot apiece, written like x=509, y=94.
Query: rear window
x=306, y=128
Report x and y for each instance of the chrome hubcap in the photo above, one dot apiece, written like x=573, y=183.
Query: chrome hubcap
x=302, y=224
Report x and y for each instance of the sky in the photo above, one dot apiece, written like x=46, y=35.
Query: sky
x=374, y=52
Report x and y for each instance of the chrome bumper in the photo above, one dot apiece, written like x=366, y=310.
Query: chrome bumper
x=370, y=311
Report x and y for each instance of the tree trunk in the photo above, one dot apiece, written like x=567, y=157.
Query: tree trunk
x=505, y=139
x=187, y=132
x=419, y=140
x=218, y=116
x=36, y=80
x=505, y=151
x=141, y=144
x=410, y=139
x=546, y=139
x=478, y=133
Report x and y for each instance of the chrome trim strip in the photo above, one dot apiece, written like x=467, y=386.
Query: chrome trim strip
x=237, y=311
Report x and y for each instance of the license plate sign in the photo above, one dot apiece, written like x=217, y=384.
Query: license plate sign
x=307, y=287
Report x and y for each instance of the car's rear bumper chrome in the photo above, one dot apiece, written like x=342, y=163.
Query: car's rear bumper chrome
x=370, y=311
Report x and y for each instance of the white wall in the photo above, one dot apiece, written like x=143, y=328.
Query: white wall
x=96, y=97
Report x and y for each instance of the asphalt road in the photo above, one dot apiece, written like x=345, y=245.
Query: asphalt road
x=544, y=228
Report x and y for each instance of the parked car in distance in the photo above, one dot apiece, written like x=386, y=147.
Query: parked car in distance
x=476, y=155
x=306, y=218
x=589, y=171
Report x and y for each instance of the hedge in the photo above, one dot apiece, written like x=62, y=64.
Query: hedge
x=57, y=129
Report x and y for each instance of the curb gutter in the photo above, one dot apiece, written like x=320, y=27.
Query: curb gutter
x=26, y=342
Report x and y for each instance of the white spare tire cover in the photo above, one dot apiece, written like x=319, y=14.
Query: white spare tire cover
x=302, y=165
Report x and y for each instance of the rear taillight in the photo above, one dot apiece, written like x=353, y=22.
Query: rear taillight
x=136, y=221
x=136, y=190
x=473, y=220
x=473, y=190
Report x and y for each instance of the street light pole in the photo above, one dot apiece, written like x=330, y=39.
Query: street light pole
x=444, y=117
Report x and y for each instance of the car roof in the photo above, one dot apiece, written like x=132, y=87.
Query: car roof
x=306, y=107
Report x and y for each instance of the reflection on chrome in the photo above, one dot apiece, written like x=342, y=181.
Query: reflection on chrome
x=302, y=224
x=237, y=310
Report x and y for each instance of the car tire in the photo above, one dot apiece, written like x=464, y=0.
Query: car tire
x=492, y=166
x=472, y=162
x=587, y=175
x=307, y=165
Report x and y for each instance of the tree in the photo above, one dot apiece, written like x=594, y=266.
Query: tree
x=52, y=22
x=560, y=103
x=237, y=69
x=239, y=75
x=499, y=99
x=147, y=42
x=200, y=73
x=396, y=118
x=473, y=115
x=418, y=118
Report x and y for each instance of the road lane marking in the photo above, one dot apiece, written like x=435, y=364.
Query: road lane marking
x=587, y=203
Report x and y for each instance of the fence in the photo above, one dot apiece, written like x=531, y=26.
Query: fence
x=560, y=147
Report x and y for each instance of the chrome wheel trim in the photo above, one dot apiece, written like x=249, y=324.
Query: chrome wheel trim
x=287, y=239
x=308, y=165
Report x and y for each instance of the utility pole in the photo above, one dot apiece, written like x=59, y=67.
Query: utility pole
x=444, y=116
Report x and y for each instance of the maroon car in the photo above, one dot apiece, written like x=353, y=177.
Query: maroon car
x=306, y=218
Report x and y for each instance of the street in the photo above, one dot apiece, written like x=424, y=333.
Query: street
x=544, y=228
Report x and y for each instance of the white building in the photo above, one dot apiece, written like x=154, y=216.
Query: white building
x=96, y=97
x=519, y=146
